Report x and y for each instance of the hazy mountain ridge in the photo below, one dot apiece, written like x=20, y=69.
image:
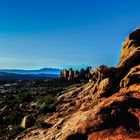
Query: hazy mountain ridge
x=18, y=74
x=40, y=71
x=14, y=76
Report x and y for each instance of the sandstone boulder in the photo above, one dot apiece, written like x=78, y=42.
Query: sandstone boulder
x=27, y=121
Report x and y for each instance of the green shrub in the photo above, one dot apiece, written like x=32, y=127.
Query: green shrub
x=24, y=97
x=14, y=130
x=41, y=123
x=13, y=117
x=46, y=104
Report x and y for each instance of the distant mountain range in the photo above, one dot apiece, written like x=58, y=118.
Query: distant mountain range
x=40, y=71
x=18, y=74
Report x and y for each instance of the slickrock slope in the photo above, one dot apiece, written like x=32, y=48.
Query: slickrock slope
x=108, y=107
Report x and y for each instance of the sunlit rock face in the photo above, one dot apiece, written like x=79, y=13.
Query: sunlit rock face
x=130, y=53
x=107, y=107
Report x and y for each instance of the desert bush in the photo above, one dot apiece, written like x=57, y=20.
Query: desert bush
x=12, y=117
x=41, y=123
x=46, y=104
x=14, y=130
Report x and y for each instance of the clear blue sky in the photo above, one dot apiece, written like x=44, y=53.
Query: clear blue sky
x=64, y=33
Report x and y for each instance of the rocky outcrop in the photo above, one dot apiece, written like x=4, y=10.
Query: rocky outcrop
x=130, y=53
x=130, y=47
x=64, y=73
x=107, y=107
x=75, y=74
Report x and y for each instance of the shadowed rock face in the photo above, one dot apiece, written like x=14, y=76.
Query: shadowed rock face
x=108, y=107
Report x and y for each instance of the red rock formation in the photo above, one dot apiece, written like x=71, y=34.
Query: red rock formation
x=130, y=48
x=64, y=73
x=76, y=74
x=71, y=74
x=108, y=107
